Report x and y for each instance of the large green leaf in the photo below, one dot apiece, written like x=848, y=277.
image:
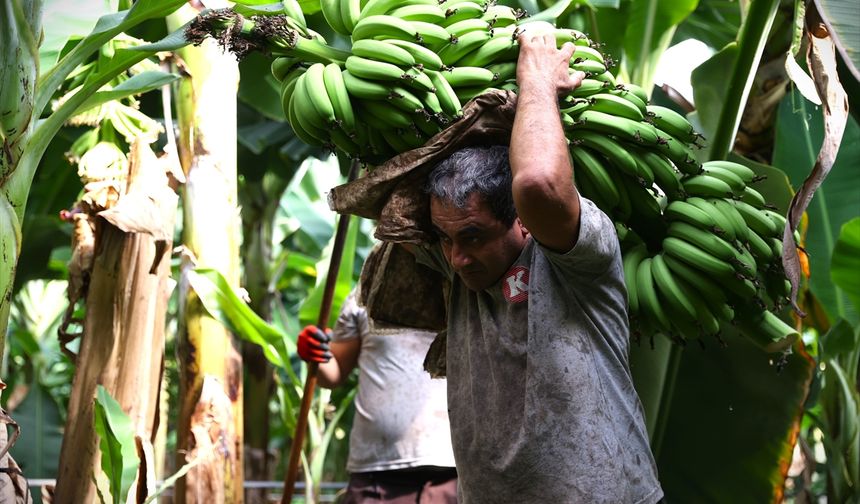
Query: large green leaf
x=845, y=262
x=62, y=24
x=116, y=443
x=799, y=134
x=710, y=88
x=650, y=27
x=730, y=431
x=751, y=43
x=137, y=84
x=38, y=449
x=222, y=303
x=714, y=22
x=843, y=18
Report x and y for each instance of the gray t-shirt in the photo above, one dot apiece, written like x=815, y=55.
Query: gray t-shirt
x=540, y=395
x=401, y=415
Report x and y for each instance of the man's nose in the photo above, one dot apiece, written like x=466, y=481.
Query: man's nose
x=459, y=257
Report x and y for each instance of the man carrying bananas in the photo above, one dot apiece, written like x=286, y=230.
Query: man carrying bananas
x=541, y=401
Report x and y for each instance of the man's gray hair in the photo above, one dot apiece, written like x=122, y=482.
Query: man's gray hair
x=485, y=171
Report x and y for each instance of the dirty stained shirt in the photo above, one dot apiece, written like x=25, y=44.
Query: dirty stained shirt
x=540, y=396
x=401, y=414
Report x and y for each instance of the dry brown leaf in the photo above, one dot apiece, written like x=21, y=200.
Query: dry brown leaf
x=821, y=59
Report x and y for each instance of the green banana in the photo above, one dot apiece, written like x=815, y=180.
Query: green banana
x=316, y=90
x=705, y=185
x=374, y=70
x=650, y=305
x=755, y=219
x=377, y=7
x=672, y=122
x=703, y=239
x=630, y=263
x=589, y=87
x=431, y=35
x=498, y=48
x=723, y=224
x=663, y=171
x=420, y=12
x=461, y=28
x=446, y=94
x=281, y=67
x=468, y=76
x=505, y=71
x=343, y=142
x=729, y=177
x=423, y=56
x=389, y=114
x=777, y=219
x=305, y=131
x=614, y=105
x=382, y=50
x=339, y=96
x=500, y=16
x=350, y=13
x=460, y=11
x=696, y=277
x=294, y=11
x=753, y=197
x=696, y=257
x=593, y=169
x=365, y=88
x=405, y=100
x=331, y=12
x=627, y=129
x=591, y=68
x=679, y=153
x=417, y=79
x=395, y=140
x=622, y=91
x=741, y=228
x=609, y=148
x=746, y=174
x=384, y=26
x=668, y=286
x=455, y=50
x=684, y=211
x=760, y=249
x=767, y=330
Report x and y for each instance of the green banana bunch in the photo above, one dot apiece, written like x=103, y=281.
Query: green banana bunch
x=701, y=247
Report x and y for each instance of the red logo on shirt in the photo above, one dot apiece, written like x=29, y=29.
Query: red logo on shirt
x=516, y=285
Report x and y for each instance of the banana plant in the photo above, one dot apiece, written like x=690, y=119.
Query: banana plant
x=27, y=124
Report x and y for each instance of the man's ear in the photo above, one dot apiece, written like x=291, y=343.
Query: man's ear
x=523, y=229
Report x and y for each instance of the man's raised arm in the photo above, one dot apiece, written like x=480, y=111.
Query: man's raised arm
x=543, y=190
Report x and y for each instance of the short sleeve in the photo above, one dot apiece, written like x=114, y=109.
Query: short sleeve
x=596, y=246
x=352, y=321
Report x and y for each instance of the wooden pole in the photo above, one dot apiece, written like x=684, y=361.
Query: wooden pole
x=311, y=380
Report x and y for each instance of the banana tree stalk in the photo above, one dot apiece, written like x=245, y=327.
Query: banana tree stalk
x=311, y=381
x=210, y=413
x=751, y=43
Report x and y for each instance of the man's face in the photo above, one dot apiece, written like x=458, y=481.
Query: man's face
x=478, y=246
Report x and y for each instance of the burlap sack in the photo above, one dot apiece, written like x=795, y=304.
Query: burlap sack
x=397, y=290
x=392, y=193
x=394, y=287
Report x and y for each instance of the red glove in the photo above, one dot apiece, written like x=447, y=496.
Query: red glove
x=313, y=344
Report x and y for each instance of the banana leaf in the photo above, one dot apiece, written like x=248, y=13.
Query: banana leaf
x=799, y=133
x=733, y=420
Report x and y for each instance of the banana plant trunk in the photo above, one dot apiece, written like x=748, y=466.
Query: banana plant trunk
x=122, y=345
x=260, y=200
x=210, y=413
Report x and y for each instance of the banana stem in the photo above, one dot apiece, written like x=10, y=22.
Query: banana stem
x=666, y=400
x=273, y=35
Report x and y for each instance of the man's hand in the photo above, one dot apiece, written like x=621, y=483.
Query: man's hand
x=313, y=344
x=544, y=69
